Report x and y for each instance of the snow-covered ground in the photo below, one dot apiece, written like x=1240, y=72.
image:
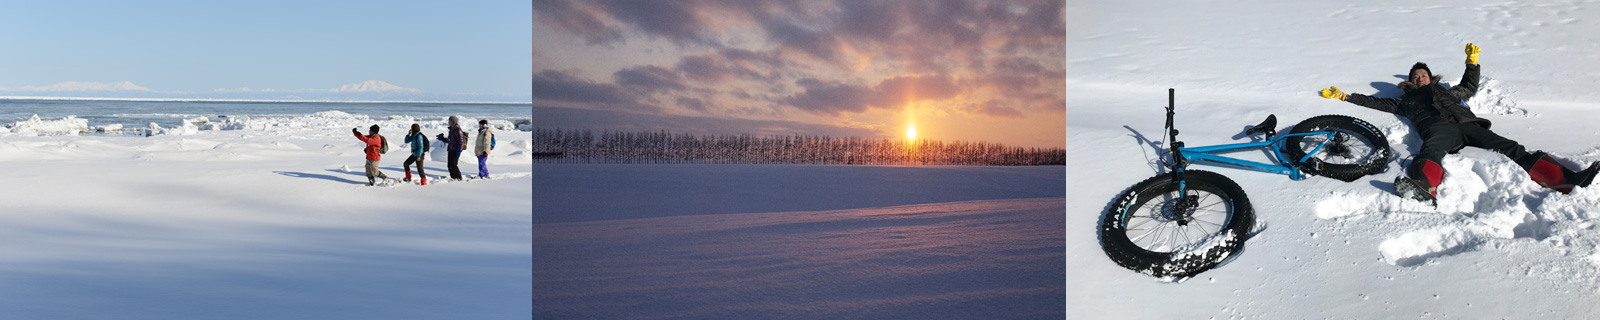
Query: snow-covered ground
x=271, y=219
x=1496, y=247
x=797, y=242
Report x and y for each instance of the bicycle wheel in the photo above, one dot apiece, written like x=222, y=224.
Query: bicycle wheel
x=1357, y=148
x=1150, y=230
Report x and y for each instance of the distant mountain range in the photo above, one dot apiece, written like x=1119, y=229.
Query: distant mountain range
x=374, y=86
x=370, y=90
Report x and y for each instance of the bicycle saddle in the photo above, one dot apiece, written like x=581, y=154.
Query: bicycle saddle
x=1267, y=126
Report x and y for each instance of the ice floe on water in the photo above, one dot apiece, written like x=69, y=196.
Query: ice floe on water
x=71, y=125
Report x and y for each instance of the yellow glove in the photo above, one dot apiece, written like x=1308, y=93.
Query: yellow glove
x=1472, y=53
x=1333, y=93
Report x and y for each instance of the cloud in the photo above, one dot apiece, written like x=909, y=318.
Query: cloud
x=899, y=91
x=82, y=86
x=994, y=108
x=834, y=98
x=588, y=22
x=672, y=19
x=693, y=104
x=829, y=97
x=564, y=86
x=649, y=79
x=731, y=64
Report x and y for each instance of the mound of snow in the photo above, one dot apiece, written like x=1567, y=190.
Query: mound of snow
x=1412, y=247
x=500, y=125
x=71, y=125
x=1480, y=201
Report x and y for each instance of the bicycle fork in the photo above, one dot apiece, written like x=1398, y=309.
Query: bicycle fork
x=1185, y=202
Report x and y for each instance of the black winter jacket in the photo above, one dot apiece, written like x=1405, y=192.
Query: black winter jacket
x=1430, y=105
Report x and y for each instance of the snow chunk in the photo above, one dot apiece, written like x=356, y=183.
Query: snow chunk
x=1594, y=259
x=109, y=127
x=71, y=125
x=335, y=114
x=1415, y=247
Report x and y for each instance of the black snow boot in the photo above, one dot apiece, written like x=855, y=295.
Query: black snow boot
x=1414, y=189
x=1583, y=178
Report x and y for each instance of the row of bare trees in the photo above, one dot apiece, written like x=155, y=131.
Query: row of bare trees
x=584, y=146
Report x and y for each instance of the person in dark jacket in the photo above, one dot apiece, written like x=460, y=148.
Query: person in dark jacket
x=1446, y=125
x=457, y=142
x=419, y=145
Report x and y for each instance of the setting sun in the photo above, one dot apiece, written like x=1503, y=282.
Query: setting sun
x=911, y=132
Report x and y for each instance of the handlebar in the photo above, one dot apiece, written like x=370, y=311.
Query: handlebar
x=1171, y=94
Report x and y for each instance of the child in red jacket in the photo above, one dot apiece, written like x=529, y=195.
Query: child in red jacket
x=374, y=142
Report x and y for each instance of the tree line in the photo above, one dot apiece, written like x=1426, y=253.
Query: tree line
x=663, y=147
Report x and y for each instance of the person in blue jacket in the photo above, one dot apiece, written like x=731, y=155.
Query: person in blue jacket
x=419, y=146
x=457, y=142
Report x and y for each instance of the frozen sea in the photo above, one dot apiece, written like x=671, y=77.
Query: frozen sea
x=139, y=114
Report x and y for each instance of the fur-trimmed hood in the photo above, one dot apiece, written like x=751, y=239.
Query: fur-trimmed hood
x=1407, y=86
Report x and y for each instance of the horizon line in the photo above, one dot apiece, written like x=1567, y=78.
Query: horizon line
x=246, y=100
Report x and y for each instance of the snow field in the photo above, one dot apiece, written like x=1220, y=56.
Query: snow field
x=258, y=224
x=797, y=242
x=1496, y=247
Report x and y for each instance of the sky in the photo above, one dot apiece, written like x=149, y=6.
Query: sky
x=956, y=70
x=200, y=46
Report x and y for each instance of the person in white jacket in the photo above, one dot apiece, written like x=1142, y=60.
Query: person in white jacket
x=482, y=146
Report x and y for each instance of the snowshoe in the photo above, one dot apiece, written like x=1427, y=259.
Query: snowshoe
x=1414, y=189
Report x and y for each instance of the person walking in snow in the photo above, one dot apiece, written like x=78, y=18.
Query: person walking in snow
x=1446, y=125
x=482, y=146
x=375, y=144
x=456, y=143
x=419, y=146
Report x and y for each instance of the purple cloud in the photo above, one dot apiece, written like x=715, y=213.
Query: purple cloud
x=828, y=97
x=648, y=79
x=591, y=24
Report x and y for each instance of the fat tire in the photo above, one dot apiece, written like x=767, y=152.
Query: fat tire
x=1345, y=172
x=1182, y=264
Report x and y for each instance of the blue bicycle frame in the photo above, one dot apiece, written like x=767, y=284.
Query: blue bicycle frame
x=1183, y=156
x=1207, y=155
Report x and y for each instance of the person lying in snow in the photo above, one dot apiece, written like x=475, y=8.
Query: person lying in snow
x=1446, y=125
x=375, y=147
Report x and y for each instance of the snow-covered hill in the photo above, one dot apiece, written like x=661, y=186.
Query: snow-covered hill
x=1496, y=247
x=374, y=86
